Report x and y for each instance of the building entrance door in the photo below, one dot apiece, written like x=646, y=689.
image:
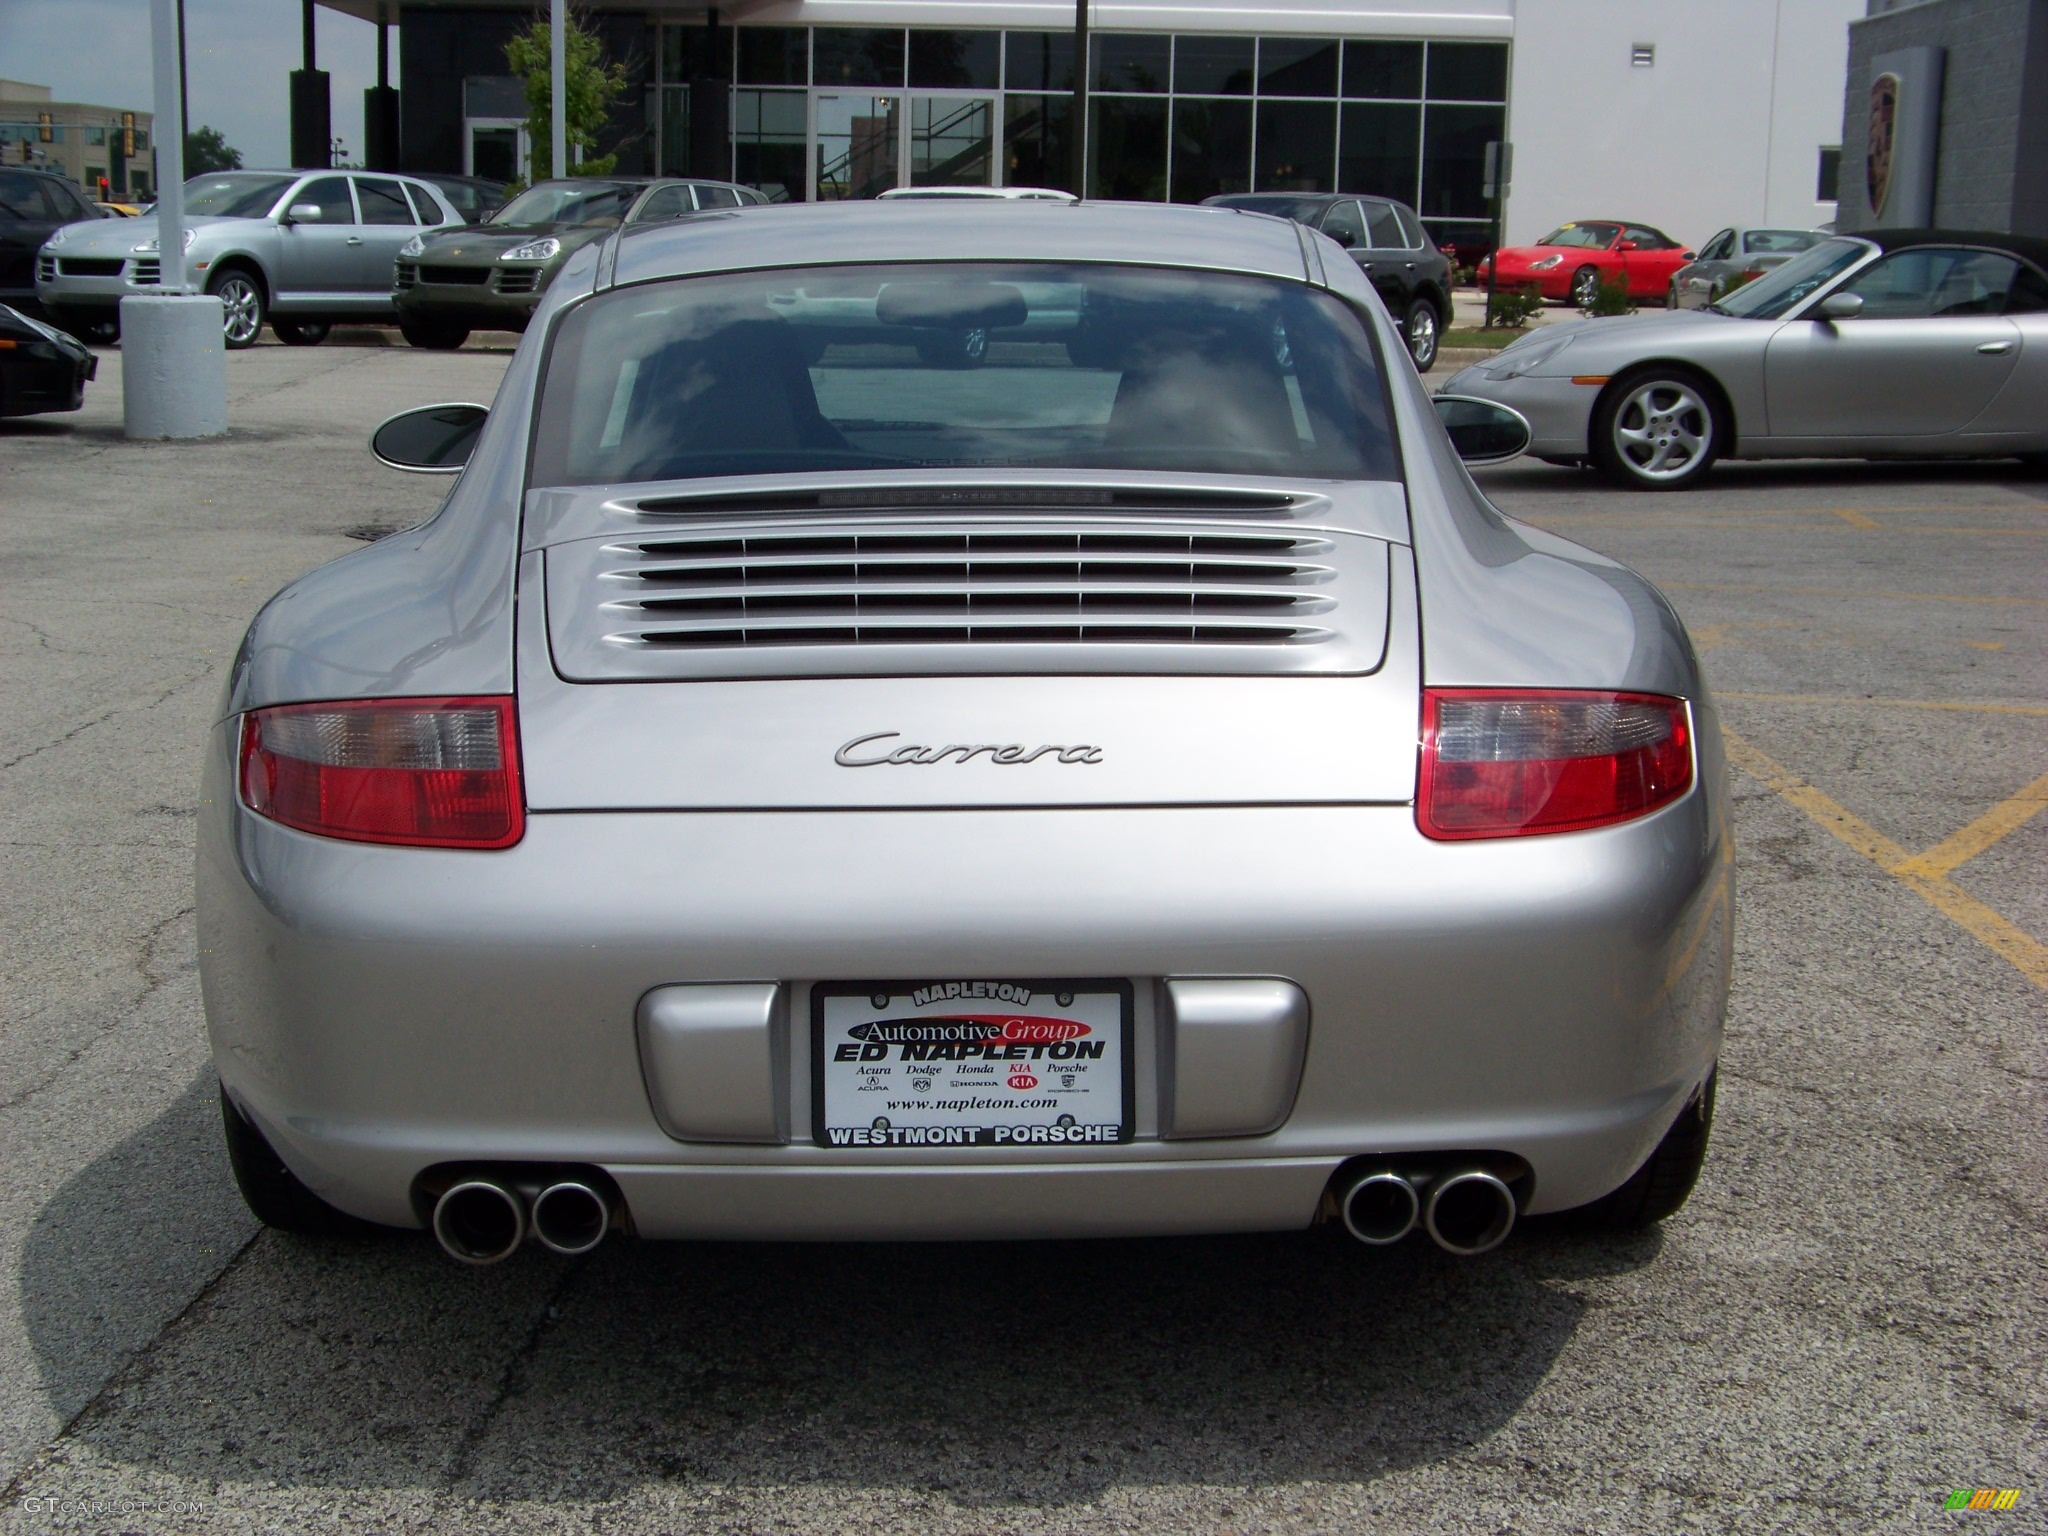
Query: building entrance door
x=495, y=148
x=952, y=141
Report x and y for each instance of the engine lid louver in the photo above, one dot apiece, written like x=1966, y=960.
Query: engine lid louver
x=937, y=597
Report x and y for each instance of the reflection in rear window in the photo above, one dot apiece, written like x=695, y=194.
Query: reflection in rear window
x=965, y=366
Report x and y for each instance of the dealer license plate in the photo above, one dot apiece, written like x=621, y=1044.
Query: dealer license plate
x=971, y=1063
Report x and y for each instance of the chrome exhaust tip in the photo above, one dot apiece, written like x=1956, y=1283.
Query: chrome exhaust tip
x=1380, y=1208
x=479, y=1222
x=1469, y=1212
x=571, y=1217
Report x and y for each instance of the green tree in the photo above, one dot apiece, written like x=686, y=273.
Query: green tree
x=590, y=85
x=207, y=149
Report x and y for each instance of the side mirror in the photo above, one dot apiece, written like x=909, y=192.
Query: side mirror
x=1841, y=306
x=1687, y=256
x=1624, y=246
x=1481, y=431
x=429, y=440
x=1343, y=237
x=302, y=213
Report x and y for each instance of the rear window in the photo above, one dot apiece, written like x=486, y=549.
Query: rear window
x=969, y=366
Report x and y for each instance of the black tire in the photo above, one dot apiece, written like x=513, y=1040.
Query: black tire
x=954, y=349
x=271, y=1190
x=244, y=307
x=1656, y=1190
x=434, y=335
x=1585, y=287
x=300, y=333
x=1659, y=428
x=1423, y=331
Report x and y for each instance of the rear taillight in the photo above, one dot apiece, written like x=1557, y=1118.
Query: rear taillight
x=1507, y=762
x=432, y=773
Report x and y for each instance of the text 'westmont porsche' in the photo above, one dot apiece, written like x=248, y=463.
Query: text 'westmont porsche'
x=1299, y=840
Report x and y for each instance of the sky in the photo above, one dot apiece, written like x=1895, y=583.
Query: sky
x=238, y=57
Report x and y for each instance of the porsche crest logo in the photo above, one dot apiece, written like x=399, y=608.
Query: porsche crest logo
x=1884, y=123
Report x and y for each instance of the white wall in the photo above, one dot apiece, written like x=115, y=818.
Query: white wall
x=1725, y=128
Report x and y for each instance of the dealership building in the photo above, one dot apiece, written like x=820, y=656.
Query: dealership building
x=1679, y=115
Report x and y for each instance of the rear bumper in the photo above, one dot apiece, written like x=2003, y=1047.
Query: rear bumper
x=381, y=1011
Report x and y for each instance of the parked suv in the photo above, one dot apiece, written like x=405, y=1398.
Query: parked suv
x=1389, y=244
x=303, y=250
x=33, y=206
x=491, y=276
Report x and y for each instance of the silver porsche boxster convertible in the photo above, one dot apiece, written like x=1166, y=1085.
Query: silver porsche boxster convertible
x=798, y=788
x=1888, y=344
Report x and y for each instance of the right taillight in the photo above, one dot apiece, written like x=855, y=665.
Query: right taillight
x=1510, y=762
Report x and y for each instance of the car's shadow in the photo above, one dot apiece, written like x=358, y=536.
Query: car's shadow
x=1851, y=475
x=991, y=1373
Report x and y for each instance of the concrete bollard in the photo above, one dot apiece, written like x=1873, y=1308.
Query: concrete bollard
x=174, y=367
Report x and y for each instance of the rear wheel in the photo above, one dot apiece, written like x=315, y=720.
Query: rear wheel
x=242, y=306
x=1658, y=1188
x=300, y=333
x=271, y=1190
x=1422, y=331
x=1659, y=429
x=435, y=335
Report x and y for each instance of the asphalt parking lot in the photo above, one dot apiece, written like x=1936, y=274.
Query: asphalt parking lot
x=1843, y=1326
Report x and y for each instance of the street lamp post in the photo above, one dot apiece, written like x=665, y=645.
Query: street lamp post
x=174, y=380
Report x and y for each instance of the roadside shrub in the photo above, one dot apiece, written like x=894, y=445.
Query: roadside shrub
x=1611, y=298
x=1513, y=308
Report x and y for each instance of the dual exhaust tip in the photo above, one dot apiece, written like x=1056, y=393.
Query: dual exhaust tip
x=1464, y=1210
x=483, y=1220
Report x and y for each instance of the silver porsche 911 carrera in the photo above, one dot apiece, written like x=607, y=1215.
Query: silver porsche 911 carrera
x=797, y=787
x=1892, y=343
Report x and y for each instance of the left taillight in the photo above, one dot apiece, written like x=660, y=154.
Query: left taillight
x=1510, y=762
x=427, y=773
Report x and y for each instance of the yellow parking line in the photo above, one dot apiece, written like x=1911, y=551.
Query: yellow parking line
x=2005, y=817
x=1854, y=518
x=1903, y=597
x=2027, y=954
x=1961, y=706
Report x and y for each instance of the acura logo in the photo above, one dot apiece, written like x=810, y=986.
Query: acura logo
x=868, y=752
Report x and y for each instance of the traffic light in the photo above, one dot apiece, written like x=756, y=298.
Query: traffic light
x=44, y=129
x=128, y=134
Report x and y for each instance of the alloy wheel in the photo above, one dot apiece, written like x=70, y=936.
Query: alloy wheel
x=1585, y=286
x=1664, y=430
x=1422, y=336
x=241, y=309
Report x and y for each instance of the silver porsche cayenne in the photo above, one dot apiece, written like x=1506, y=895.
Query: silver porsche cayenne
x=798, y=788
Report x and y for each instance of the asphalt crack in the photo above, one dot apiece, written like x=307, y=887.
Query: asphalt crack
x=153, y=982
x=77, y=731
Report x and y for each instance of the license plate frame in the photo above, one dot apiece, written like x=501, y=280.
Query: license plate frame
x=964, y=1003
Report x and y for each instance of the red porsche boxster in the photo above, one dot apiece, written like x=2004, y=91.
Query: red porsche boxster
x=1574, y=259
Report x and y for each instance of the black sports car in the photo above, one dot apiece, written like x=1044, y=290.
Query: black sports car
x=1390, y=246
x=41, y=368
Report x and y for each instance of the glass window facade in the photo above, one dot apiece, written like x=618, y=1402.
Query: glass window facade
x=1175, y=117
